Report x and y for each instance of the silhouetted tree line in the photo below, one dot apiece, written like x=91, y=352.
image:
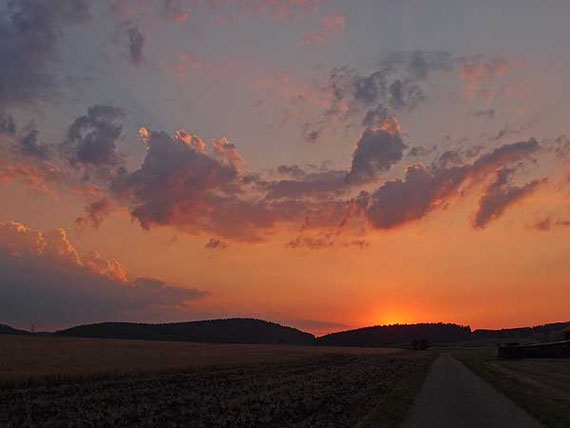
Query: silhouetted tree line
x=398, y=334
x=254, y=331
x=237, y=330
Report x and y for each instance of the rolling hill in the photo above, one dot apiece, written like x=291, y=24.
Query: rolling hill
x=6, y=329
x=235, y=330
x=397, y=335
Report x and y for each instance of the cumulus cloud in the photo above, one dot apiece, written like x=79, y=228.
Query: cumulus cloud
x=29, y=36
x=499, y=195
x=46, y=282
x=376, y=151
x=227, y=152
x=91, y=140
x=422, y=190
x=175, y=183
x=181, y=185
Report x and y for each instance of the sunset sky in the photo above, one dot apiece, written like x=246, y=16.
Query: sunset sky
x=324, y=164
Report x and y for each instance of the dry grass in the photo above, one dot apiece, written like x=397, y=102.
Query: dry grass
x=542, y=386
x=28, y=358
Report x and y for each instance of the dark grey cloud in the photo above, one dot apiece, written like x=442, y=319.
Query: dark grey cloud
x=45, y=282
x=294, y=171
x=29, y=34
x=397, y=84
x=500, y=195
x=215, y=244
x=95, y=213
x=321, y=185
x=24, y=143
x=449, y=158
x=28, y=144
x=422, y=190
x=376, y=151
x=136, y=45
x=91, y=140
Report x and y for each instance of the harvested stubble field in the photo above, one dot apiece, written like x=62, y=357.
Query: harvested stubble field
x=316, y=388
x=31, y=357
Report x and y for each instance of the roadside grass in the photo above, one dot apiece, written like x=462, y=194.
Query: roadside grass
x=393, y=407
x=541, y=386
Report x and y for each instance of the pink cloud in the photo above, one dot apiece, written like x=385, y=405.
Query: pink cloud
x=329, y=27
x=477, y=73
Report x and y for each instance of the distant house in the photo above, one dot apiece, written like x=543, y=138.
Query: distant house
x=540, y=350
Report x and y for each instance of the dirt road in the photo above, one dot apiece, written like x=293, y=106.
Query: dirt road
x=454, y=397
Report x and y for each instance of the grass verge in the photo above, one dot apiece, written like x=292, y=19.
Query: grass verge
x=549, y=404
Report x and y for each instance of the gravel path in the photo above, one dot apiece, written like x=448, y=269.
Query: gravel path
x=454, y=397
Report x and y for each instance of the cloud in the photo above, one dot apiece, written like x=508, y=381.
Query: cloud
x=396, y=85
x=177, y=183
x=96, y=212
x=183, y=185
x=215, y=244
x=326, y=240
x=294, y=171
x=329, y=27
x=46, y=282
x=24, y=159
x=136, y=45
x=499, y=195
x=422, y=190
x=477, y=72
x=91, y=140
x=376, y=151
x=227, y=152
x=24, y=143
x=321, y=185
x=30, y=34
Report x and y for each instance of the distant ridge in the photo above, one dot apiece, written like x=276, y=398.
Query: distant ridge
x=538, y=333
x=6, y=329
x=233, y=330
x=397, y=334
x=255, y=331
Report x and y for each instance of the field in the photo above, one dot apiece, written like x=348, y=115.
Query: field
x=90, y=382
x=541, y=386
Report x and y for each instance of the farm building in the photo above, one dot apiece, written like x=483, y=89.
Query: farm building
x=540, y=350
